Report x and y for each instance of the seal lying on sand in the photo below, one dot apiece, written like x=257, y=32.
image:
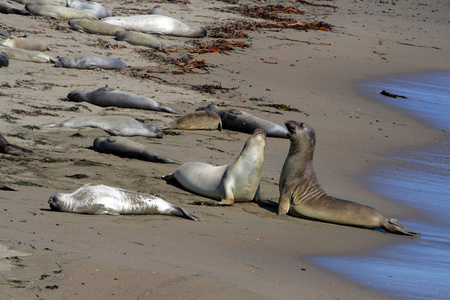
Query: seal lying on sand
x=107, y=96
x=26, y=44
x=97, y=9
x=124, y=147
x=140, y=39
x=95, y=27
x=8, y=148
x=4, y=60
x=114, y=125
x=302, y=196
x=236, y=182
x=42, y=2
x=199, y=120
x=105, y=200
x=90, y=61
x=57, y=11
x=158, y=24
x=8, y=8
x=233, y=119
x=26, y=55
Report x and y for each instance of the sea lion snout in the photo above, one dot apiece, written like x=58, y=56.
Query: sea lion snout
x=259, y=131
x=54, y=202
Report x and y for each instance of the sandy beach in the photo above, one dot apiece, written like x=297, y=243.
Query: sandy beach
x=243, y=251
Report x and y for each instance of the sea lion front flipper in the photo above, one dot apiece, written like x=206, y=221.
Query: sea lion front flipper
x=284, y=204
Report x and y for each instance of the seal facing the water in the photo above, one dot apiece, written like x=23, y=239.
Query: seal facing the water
x=236, y=182
x=106, y=200
x=302, y=196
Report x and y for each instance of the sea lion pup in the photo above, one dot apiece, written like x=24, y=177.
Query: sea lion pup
x=56, y=11
x=106, y=200
x=8, y=148
x=89, y=62
x=8, y=8
x=26, y=55
x=96, y=8
x=237, y=120
x=199, y=120
x=26, y=44
x=124, y=147
x=114, y=125
x=157, y=24
x=302, y=196
x=95, y=27
x=107, y=96
x=140, y=39
x=236, y=182
x=4, y=60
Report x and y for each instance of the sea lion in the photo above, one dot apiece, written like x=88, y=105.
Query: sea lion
x=124, y=147
x=8, y=8
x=302, y=196
x=237, y=120
x=106, y=200
x=26, y=55
x=199, y=120
x=8, y=148
x=96, y=8
x=236, y=182
x=4, y=60
x=157, y=24
x=42, y=2
x=57, y=11
x=26, y=44
x=89, y=62
x=114, y=125
x=5, y=187
x=140, y=39
x=95, y=27
x=107, y=96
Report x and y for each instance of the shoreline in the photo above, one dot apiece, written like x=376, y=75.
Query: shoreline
x=241, y=251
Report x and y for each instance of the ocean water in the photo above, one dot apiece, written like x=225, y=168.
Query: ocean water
x=419, y=178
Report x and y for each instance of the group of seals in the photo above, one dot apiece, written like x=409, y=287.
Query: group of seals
x=102, y=199
x=89, y=62
x=107, y=96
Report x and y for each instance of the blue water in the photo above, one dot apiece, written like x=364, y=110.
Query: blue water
x=420, y=178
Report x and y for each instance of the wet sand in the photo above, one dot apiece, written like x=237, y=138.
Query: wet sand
x=242, y=251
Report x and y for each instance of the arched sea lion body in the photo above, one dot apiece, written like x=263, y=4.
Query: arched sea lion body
x=26, y=55
x=236, y=182
x=56, y=11
x=107, y=96
x=89, y=62
x=237, y=120
x=96, y=8
x=4, y=60
x=124, y=147
x=199, y=120
x=26, y=44
x=158, y=24
x=140, y=39
x=94, y=27
x=102, y=199
x=114, y=125
x=302, y=196
x=8, y=148
x=8, y=8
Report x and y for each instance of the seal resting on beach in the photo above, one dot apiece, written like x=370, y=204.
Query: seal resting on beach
x=114, y=125
x=26, y=55
x=4, y=60
x=7, y=8
x=140, y=39
x=158, y=24
x=124, y=147
x=237, y=120
x=302, y=196
x=8, y=148
x=89, y=62
x=236, y=182
x=107, y=96
x=95, y=27
x=106, y=200
x=26, y=44
x=96, y=8
x=57, y=11
x=199, y=120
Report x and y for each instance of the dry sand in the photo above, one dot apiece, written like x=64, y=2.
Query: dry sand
x=244, y=251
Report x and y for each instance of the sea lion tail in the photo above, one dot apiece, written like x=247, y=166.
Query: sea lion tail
x=169, y=160
x=394, y=226
x=168, y=177
x=182, y=213
x=168, y=109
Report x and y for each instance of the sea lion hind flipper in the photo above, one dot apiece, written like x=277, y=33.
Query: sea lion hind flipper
x=284, y=204
x=168, y=177
x=394, y=226
x=182, y=213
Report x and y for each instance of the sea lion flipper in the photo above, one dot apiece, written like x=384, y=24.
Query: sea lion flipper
x=284, y=204
x=229, y=197
x=393, y=225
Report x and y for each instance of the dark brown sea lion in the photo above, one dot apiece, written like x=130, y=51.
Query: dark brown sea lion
x=302, y=196
x=8, y=148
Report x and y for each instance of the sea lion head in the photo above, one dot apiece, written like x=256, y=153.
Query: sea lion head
x=63, y=62
x=301, y=132
x=56, y=202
